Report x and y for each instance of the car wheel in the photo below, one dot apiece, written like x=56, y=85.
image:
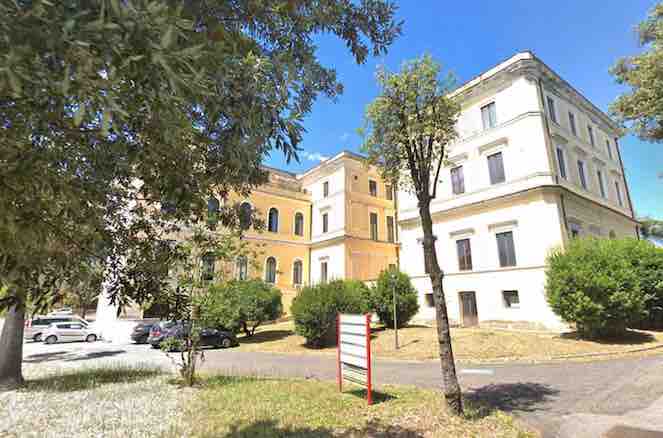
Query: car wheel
x=226, y=343
x=37, y=337
x=91, y=338
x=52, y=339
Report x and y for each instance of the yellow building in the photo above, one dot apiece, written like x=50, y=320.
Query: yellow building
x=334, y=221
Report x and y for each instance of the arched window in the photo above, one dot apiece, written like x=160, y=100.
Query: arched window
x=299, y=224
x=297, y=269
x=207, y=273
x=270, y=270
x=213, y=208
x=242, y=268
x=612, y=234
x=245, y=211
x=273, y=220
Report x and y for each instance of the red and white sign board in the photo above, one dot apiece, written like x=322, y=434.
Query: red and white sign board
x=353, y=333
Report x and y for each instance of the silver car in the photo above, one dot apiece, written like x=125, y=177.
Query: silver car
x=70, y=331
x=37, y=325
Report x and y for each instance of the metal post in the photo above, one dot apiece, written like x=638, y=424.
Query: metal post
x=394, y=276
x=369, y=370
x=339, y=372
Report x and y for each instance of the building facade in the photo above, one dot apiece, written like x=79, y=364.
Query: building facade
x=337, y=220
x=535, y=164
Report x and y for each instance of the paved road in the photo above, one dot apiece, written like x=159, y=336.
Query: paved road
x=561, y=399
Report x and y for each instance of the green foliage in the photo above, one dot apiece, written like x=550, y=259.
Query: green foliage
x=240, y=304
x=651, y=227
x=603, y=285
x=315, y=309
x=642, y=106
x=382, y=298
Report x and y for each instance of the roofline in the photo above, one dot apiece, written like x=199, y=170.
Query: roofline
x=343, y=154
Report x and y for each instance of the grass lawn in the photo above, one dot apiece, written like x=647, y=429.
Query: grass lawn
x=141, y=402
x=470, y=344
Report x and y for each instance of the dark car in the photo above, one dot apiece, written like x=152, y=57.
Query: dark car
x=141, y=332
x=211, y=337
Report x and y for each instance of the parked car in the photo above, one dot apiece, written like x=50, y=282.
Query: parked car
x=36, y=326
x=70, y=331
x=141, y=332
x=212, y=337
x=61, y=311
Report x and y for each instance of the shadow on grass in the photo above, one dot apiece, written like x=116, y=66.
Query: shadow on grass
x=271, y=429
x=378, y=397
x=509, y=397
x=89, y=378
x=266, y=336
x=631, y=337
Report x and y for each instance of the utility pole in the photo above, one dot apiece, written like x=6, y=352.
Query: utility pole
x=394, y=278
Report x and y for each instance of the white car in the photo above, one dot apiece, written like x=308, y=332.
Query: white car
x=69, y=331
x=34, y=328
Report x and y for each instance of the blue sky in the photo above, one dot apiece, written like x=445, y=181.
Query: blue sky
x=580, y=40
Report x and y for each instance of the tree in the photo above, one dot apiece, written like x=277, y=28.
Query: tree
x=241, y=304
x=83, y=285
x=108, y=107
x=651, y=227
x=641, y=107
x=382, y=298
x=601, y=284
x=409, y=128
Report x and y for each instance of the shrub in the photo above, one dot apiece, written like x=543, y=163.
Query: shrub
x=240, y=304
x=594, y=283
x=382, y=298
x=315, y=308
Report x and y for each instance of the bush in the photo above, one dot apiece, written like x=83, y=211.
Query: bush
x=382, y=298
x=315, y=308
x=600, y=284
x=240, y=304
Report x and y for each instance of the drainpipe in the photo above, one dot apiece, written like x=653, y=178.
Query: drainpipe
x=628, y=192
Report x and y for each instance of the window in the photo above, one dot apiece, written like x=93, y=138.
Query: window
x=213, y=208
x=242, y=268
x=619, y=194
x=297, y=272
x=390, y=229
x=208, y=267
x=561, y=163
x=590, y=133
x=581, y=174
x=389, y=192
x=608, y=148
x=599, y=175
x=374, y=226
x=245, y=212
x=323, y=272
x=325, y=189
x=505, y=248
x=430, y=299
x=612, y=234
x=273, y=220
x=576, y=230
x=270, y=270
x=325, y=222
x=511, y=299
x=464, y=255
x=299, y=224
x=551, y=109
x=457, y=180
x=489, y=116
x=372, y=187
x=496, y=168
x=572, y=123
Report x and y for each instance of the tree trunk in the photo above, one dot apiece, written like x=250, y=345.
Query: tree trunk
x=11, y=348
x=451, y=388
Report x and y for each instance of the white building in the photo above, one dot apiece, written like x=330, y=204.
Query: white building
x=535, y=164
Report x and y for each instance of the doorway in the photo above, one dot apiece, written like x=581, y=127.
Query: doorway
x=468, y=309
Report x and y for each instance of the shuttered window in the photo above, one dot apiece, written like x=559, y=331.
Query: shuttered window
x=496, y=168
x=506, y=249
x=489, y=116
x=457, y=180
x=464, y=254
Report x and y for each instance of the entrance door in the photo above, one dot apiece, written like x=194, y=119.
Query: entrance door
x=468, y=309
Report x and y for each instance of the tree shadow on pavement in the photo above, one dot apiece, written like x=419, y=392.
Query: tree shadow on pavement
x=69, y=356
x=266, y=336
x=271, y=429
x=509, y=397
x=76, y=380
